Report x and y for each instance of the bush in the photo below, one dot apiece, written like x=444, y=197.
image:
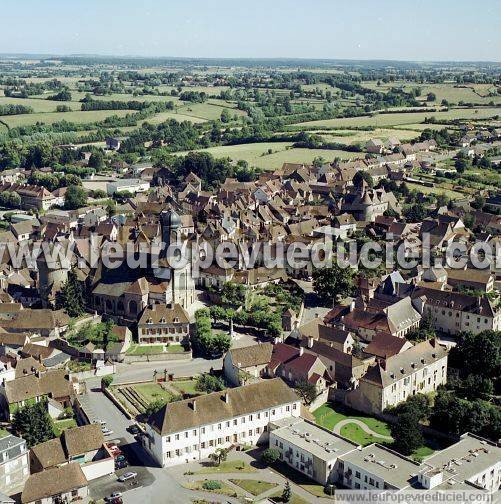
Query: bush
x=270, y=455
x=211, y=485
x=106, y=381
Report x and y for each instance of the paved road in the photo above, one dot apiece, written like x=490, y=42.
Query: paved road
x=144, y=371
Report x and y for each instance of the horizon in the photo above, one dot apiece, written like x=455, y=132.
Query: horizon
x=423, y=31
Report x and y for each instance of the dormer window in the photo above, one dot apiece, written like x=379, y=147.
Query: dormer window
x=176, y=320
x=162, y=321
x=149, y=321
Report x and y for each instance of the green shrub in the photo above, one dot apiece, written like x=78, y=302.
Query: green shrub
x=212, y=485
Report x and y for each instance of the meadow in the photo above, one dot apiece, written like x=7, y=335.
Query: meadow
x=256, y=154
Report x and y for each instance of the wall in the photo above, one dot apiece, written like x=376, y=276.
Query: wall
x=164, y=356
x=93, y=470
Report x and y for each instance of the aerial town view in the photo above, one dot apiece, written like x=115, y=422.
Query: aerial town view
x=250, y=253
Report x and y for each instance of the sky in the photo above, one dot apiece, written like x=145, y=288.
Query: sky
x=414, y=30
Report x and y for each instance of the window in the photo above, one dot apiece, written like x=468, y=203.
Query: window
x=235, y=422
x=186, y=434
x=194, y=432
x=357, y=485
x=203, y=430
x=371, y=481
x=357, y=474
x=177, y=437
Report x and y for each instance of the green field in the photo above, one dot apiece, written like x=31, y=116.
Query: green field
x=360, y=136
x=447, y=91
x=165, y=116
x=206, y=111
x=401, y=118
x=186, y=386
x=52, y=117
x=228, y=466
x=151, y=391
x=256, y=154
x=38, y=105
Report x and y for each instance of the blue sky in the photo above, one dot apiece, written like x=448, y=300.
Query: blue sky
x=353, y=29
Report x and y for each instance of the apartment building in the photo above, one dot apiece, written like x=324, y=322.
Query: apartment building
x=453, y=312
x=420, y=369
x=193, y=429
x=14, y=465
x=162, y=324
x=309, y=449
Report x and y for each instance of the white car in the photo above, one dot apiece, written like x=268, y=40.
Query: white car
x=114, y=495
x=127, y=476
x=106, y=431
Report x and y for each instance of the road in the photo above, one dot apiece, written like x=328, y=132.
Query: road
x=144, y=371
x=154, y=484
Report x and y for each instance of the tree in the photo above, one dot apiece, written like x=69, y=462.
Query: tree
x=407, y=433
x=220, y=455
x=63, y=95
x=155, y=406
x=270, y=456
x=332, y=282
x=96, y=160
x=431, y=97
x=33, y=423
x=76, y=197
x=415, y=213
x=208, y=383
x=71, y=296
x=225, y=116
x=306, y=390
x=287, y=493
x=363, y=176
x=461, y=164
x=106, y=381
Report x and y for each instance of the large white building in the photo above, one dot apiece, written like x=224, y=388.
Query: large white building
x=310, y=449
x=192, y=429
x=420, y=369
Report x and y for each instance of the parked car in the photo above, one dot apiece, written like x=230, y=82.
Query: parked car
x=106, y=431
x=120, y=458
x=127, y=476
x=113, y=496
x=122, y=464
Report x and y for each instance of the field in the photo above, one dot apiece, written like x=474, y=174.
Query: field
x=478, y=93
x=254, y=487
x=256, y=154
x=361, y=136
x=38, y=105
x=52, y=117
x=401, y=118
x=145, y=349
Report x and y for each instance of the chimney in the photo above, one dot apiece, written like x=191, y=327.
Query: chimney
x=382, y=363
x=226, y=397
x=194, y=405
x=301, y=351
x=310, y=342
x=153, y=307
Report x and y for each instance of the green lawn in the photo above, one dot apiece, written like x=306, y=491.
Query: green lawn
x=62, y=425
x=422, y=452
x=175, y=348
x=228, y=466
x=254, y=487
x=145, y=349
x=186, y=386
x=329, y=415
x=358, y=435
x=151, y=391
x=295, y=499
x=224, y=490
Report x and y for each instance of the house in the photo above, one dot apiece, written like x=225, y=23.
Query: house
x=14, y=464
x=26, y=229
x=162, y=324
x=473, y=278
x=246, y=364
x=127, y=185
x=374, y=146
x=189, y=430
x=43, y=322
x=309, y=449
x=61, y=484
x=420, y=369
x=384, y=345
x=113, y=143
x=35, y=387
x=84, y=445
x=32, y=196
x=453, y=312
